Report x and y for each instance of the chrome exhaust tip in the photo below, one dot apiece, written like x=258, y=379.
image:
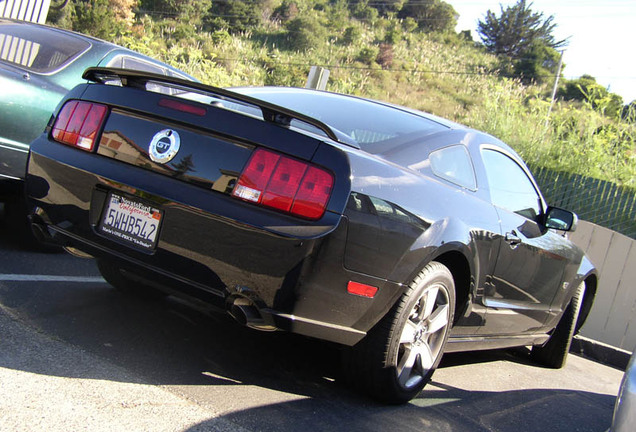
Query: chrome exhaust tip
x=78, y=253
x=246, y=313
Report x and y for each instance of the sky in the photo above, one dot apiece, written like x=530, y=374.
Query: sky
x=601, y=36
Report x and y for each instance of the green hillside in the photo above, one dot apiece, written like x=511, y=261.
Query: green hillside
x=370, y=53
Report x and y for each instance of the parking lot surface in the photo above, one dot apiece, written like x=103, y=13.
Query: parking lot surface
x=77, y=355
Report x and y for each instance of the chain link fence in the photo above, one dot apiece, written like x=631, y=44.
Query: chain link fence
x=597, y=201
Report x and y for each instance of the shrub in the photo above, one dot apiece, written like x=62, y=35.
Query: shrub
x=385, y=56
x=305, y=33
x=286, y=11
x=368, y=55
x=431, y=16
x=98, y=19
x=351, y=35
x=237, y=16
x=362, y=11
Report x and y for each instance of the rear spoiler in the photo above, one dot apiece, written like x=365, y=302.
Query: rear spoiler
x=271, y=113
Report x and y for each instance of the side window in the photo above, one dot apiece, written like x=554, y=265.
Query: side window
x=510, y=187
x=454, y=164
x=140, y=65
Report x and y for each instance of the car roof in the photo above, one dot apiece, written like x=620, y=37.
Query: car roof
x=91, y=39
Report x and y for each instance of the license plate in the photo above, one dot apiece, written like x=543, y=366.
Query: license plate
x=131, y=221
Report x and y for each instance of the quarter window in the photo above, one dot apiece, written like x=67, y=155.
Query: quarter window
x=454, y=164
x=510, y=187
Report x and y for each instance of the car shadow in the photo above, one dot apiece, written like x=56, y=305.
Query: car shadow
x=15, y=232
x=452, y=410
x=170, y=342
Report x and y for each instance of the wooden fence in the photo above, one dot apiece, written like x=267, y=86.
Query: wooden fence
x=612, y=319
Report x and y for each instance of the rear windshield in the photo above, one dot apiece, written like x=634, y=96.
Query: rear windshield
x=374, y=126
x=38, y=49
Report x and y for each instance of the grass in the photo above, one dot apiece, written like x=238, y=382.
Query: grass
x=441, y=74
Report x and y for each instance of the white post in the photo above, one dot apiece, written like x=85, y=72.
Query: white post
x=317, y=78
x=554, y=90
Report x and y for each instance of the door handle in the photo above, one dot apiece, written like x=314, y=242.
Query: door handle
x=512, y=238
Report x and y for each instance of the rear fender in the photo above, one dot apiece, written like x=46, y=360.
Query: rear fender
x=447, y=241
x=443, y=236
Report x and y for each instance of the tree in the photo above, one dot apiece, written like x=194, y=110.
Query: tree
x=628, y=112
x=104, y=19
x=305, y=33
x=286, y=11
x=517, y=30
x=539, y=63
x=384, y=7
x=237, y=15
x=587, y=90
x=191, y=12
x=524, y=40
x=363, y=11
x=431, y=16
x=185, y=165
x=576, y=89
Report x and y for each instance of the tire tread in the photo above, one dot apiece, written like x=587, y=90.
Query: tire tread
x=554, y=352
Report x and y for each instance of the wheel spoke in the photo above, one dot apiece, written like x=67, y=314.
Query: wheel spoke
x=425, y=357
x=415, y=363
x=429, y=298
x=408, y=333
x=438, y=319
x=405, y=367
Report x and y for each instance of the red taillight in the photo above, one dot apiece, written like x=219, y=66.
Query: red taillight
x=285, y=184
x=78, y=123
x=313, y=194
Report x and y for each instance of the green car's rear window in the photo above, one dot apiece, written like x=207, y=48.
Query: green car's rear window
x=38, y=49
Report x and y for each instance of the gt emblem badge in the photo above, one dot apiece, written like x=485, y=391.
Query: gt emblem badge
x=164, y=146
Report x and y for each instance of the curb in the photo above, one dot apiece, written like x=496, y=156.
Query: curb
x=600, y=352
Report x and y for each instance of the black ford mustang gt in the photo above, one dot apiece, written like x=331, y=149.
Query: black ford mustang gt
x=391, y=231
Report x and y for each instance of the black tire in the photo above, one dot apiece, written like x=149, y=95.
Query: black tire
x=398, y=356
x=554, y=352
x=119, y=278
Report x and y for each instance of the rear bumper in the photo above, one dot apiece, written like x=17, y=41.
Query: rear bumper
x=210, y=245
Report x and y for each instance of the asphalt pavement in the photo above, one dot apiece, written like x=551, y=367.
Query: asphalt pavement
x=75, y=354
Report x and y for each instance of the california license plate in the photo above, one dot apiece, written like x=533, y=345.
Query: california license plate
x=131, y=221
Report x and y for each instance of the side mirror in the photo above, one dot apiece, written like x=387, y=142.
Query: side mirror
x=560, y=219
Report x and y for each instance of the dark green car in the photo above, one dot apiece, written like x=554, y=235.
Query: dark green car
x=38, y=66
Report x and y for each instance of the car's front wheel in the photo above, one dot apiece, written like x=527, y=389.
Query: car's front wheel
x=555, y=351
x=399, y=355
